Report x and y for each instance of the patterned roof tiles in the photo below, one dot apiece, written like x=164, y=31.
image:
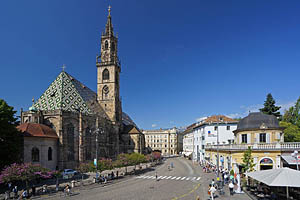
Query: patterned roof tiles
x=66, y=93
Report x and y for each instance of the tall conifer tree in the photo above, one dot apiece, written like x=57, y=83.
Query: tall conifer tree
x=269, y=106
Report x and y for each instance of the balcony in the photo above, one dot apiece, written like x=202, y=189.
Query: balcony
x=286, y=146
x=113, y=61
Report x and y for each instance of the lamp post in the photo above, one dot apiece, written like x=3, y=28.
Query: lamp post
x=217, y=148
x=97, y=131
x=295, y=155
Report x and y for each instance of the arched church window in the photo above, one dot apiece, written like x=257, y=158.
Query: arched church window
x=113, y=46
x=49, y=153
x=105, y=74
x=35, y=154
x=88, y=144
x=106, y=45
x=70, y=141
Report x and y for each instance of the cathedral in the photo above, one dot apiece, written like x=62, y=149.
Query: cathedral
x=70, y=123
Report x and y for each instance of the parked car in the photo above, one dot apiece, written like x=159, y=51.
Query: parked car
x=69, y=172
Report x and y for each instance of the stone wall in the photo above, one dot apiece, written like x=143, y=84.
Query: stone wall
x=42, y=144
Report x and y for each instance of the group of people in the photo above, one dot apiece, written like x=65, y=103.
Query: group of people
x=226, y=179
x=208, y=168
x=103, y=179
x=23, y=195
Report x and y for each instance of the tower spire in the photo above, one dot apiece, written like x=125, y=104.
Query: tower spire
x=109, y=27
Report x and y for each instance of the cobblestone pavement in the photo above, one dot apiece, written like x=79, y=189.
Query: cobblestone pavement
x=183, y=182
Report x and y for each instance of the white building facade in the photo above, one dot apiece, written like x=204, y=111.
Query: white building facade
x=164, y=140
x=207, y=131
x=188, y=142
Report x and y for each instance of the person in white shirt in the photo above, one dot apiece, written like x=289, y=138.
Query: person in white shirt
x=212, y=191
x=225, y=178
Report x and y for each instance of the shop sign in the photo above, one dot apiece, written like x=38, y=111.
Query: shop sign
x=266, y=161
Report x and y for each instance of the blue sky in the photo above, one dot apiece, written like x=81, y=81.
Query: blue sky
x=181, y=60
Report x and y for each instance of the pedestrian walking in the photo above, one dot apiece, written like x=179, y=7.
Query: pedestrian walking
x=225, y=178
x=112, y=175
x=231, y=186
x=212, y=192
x=33, y=190
x=156, y=176
x=67, y=190
x=15, y=191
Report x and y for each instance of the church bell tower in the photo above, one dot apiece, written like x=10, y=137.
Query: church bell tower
x=108, y=74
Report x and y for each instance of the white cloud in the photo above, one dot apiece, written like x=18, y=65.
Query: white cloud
x=255, y=108
x=200, y=119
x=154, y=125
x=234, y=115
x=245, y=110
x=286, y=106
x=171, y=122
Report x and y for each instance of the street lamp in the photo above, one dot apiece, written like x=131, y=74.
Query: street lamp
x=97, y=132
x=295, y=155
x=218, y=169
x=217, y=148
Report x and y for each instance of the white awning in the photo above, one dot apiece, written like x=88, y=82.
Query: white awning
x=277, y=177
x=291, y=160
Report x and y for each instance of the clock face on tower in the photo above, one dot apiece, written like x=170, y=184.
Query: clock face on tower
x=105, y=89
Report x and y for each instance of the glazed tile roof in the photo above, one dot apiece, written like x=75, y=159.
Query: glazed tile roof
x=37, y=130
x=69, y=94
x=66, y=93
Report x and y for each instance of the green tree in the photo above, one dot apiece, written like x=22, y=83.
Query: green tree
x=10, y=138
x=248, y=160
x=269, y=107
x=291, y=123
x=292, y=115
x=291, y=132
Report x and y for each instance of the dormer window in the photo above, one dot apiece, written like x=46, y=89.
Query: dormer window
x=53, y=93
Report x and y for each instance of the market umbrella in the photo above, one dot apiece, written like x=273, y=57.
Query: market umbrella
x=282, y=177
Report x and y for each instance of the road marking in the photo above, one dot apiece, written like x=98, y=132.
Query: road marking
x=190, y=192
x=183, y=178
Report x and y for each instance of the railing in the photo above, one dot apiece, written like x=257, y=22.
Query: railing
x=289, y=146
x=113, y=61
